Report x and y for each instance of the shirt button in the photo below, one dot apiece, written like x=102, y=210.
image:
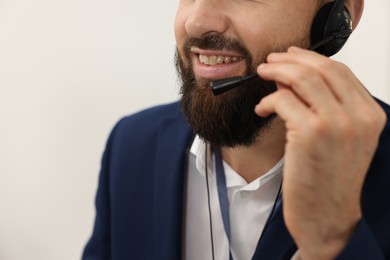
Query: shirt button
x=244, y=194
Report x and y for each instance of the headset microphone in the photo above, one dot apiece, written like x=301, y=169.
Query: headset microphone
x=330, y=30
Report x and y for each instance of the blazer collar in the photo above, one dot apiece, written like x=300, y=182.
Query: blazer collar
x=171, y=161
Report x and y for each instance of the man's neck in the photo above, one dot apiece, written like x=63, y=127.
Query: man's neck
x=256, y=160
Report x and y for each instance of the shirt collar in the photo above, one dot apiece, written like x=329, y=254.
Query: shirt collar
x=233, y=179
x=198, y=149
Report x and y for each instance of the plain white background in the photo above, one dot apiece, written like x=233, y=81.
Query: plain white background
x=68, y=71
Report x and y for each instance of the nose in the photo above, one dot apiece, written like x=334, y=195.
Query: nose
x=207, y=17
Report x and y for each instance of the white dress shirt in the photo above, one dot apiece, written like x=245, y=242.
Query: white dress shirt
x=249, y=207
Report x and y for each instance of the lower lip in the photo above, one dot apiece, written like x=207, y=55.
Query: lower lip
x=218, y=71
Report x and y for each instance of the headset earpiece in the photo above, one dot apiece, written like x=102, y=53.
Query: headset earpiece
x=332, y=21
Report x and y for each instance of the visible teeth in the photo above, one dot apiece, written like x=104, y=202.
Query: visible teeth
x=214, y=60
x=206, y=60
x=227, y=59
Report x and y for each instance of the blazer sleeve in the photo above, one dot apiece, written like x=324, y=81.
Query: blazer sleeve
x=99, y=245
x=362, y=245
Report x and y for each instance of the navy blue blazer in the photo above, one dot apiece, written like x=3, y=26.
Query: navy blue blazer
x=139, y=202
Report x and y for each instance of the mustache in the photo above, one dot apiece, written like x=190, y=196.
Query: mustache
x=217, y=42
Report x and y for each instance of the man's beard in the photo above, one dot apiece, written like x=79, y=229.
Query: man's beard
x=229, y=119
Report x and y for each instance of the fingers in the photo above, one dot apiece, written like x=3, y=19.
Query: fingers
x=313, y=85
x=307, y=84
x=341, y=81
x=317, y=81
x=281, y=103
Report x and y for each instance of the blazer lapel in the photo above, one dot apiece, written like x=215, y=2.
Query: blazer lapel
x=276, y=242
x=171, y=157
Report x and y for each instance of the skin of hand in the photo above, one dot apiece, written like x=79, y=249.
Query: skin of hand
x=332, y=131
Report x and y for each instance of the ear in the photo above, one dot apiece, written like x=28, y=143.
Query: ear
x=355, y=8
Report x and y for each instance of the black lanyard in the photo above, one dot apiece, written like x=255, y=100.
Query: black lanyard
x=222, y=195
x=223, y=198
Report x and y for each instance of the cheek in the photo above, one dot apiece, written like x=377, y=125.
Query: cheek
x=179, y=26
x=259, y=30
x=270, y=36
x=259, y=38
x=181, y=34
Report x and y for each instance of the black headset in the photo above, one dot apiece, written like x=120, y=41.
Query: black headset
x=330, y=30
x=332, y=21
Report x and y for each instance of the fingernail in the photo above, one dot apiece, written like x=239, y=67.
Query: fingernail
x=295, y=49
x=262, y=66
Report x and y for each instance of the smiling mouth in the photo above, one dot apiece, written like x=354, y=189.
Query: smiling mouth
x=215, y=60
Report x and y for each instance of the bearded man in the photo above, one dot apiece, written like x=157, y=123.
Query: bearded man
x=291, y=164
